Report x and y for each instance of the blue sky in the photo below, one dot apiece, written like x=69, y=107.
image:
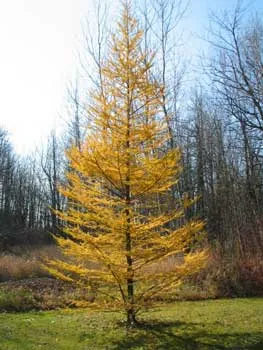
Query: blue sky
x=39, y=43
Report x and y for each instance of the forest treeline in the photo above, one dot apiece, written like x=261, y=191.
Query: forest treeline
x=216, y=121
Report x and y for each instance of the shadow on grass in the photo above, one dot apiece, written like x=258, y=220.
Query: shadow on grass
x=191, y=336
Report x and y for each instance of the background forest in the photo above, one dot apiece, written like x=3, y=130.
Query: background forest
x=214, y=113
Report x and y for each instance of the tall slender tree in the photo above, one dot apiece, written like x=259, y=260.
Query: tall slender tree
x=117, y=232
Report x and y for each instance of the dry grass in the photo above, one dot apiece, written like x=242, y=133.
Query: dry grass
x=167, y=265
x=23, y=263
x=222, y=277
x=26, y=285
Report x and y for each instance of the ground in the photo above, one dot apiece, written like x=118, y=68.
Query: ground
x=215, y=324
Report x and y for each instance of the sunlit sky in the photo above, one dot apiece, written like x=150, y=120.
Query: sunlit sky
x=39, y=43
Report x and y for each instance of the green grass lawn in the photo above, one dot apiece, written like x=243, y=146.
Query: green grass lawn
x=219, y=324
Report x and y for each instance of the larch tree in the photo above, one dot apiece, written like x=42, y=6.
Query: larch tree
x=117, y=233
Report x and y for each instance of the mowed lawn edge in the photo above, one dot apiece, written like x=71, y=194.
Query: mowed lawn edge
x=213, y=324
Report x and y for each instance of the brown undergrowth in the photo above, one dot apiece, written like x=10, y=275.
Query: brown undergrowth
x=40, y=294
x=25, y=285
x=24, y=262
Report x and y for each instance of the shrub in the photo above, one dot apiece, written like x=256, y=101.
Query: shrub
x=229, y=277
x=19, y=300
x=43, y=294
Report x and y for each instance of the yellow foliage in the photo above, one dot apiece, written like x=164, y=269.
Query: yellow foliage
x=118, y=219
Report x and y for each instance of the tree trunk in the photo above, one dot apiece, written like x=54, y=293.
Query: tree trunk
x=131, y=319
x=130, y=282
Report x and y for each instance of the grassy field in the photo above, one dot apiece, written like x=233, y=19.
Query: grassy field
x=219, y=324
